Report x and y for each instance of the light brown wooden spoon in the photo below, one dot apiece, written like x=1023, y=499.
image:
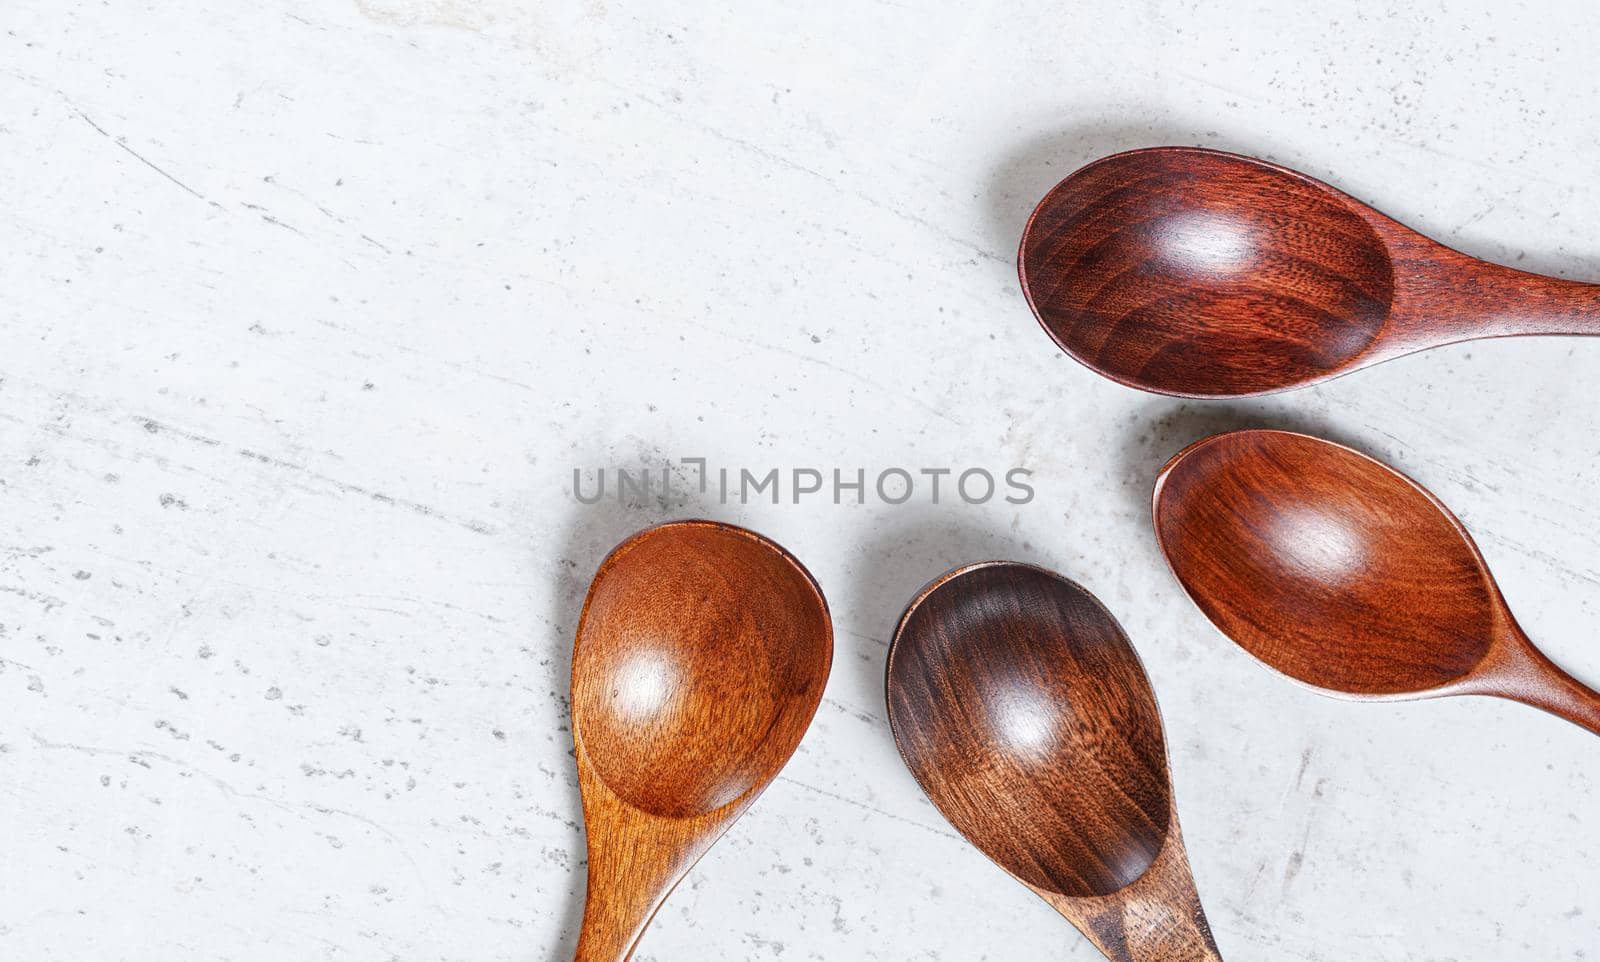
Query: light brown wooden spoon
x=1024, y=713
x=1346, y=575
x=701, y=656
x=1205, y=274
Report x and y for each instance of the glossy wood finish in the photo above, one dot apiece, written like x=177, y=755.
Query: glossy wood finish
x=1199, y=273
x=1344, y=574
x=700, y=659
x=1024, y=713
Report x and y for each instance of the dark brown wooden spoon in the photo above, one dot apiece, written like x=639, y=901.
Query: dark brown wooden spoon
x=1024, y=713
x=1199, y=273
x=1346, y=575
x=700, y=659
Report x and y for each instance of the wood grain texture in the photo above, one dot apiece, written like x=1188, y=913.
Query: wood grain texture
x=406, y=560
x=701, y=656
x=1024, y=713
x=1199, y=273
x=1346, y=575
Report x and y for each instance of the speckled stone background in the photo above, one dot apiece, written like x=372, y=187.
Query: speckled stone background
x=311, y=309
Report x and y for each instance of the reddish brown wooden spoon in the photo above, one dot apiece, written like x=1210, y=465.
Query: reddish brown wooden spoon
x=701, y=656
x=1204, y=274
x=1345, y=574
x=1024, y=713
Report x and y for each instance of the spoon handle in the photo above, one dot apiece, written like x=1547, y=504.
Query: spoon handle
x=1157, y=918
x=635, y=860
x=1488, y=300
x=625, y=889
x=618, y=905
x=1562, y=695
x=1548, y=305
x=1518, y=670
x=1152, y=932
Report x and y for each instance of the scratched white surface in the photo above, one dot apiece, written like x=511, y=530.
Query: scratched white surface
x=310, y=311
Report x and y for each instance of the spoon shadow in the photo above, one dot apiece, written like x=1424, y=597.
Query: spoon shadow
x=1163, y=427
x=900, y=556
x=591, y=532
x=1045, y=158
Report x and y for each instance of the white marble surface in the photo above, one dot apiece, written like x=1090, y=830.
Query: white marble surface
x=311, y=310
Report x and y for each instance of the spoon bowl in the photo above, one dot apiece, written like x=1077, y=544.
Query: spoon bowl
x=1199, y=273
x=1343, y=574
x=1025, y=715
x=700, y=660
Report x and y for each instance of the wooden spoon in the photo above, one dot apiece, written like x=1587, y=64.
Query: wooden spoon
x=1024, y=713
x=1346, y=575
x=1204, y=274
x=701, y=656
